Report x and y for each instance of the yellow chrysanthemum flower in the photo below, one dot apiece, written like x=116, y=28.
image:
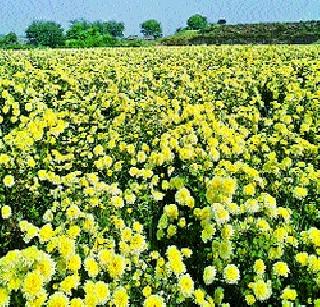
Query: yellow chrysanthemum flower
x=58, y=299
x=231, y=274
x=154, y=301
x=5, y=212
x=9, y=181
x=186, y=285
x=32, y=284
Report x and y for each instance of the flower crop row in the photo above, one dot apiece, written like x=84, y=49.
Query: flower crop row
x=160, y=177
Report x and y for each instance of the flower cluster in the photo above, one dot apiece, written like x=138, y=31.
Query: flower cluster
x=160, y=177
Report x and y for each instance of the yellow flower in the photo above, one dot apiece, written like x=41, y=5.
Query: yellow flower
x=209, y=274
x=177, y=266
x=39, y=301
x=250, y=299
x=182, y=196
x=66, y=246
x=74, y=263
x=74, y=231
x=186, y=285
x=249, y=189
x=281, y=269
x=221, y=214
x=120, y=297
x=154, y=301
x=73, y=212
x=227, y=231
x=45, y=233
x=262, y=290
x=8, y=181
x=207, y=233
x=42, y=174
x=76, y=302
x=130, y=198
x=5, y=212
x=187, y=252
x=4, y=297
x=102, y=292
x=171, y=211
x=46, y=267
x=141, y=157
x=91, y=266
x=302, y=258
x=32, y=285
x=31, y=163
x=314, y=263
x=284, y=213
x=147, y=290
x=126, y=234
x=199, y=297
x=280, y=234
x=231, y=274
x=4, y=158
x=116, y=266
x=69, y=283
x=105, y=256
x=182, y=222
x=137, y=243
x=117, y=201
x=259, y=266
x=289, y=294
x=220, y=189
x=58, y=299
x=300, y=193
x=98, y=150
x=137, y=227
x=314, y=236
x=175, y=260
x=28, y=106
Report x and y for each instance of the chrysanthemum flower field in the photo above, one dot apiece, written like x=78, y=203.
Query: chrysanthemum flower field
x=160, y=177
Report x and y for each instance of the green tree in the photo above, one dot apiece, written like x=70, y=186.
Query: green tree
x=78, y=29
x=197, y=22
x=152, y=28
x=85, y=34
x=114, y=28
x=9, y=39
x=45, y=33
x=221, y=22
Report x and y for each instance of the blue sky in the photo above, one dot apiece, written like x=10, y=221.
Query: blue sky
x=15, y=15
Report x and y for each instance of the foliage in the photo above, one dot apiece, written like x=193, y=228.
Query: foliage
x=8, y=39
x=113, y=27
x=197, y=22
x=138, y=42
x=269, y=33
x=160, y=177
x=97, y=34
x=45, y=33
x=151, y=27
x=221, y=22
x=79, y=28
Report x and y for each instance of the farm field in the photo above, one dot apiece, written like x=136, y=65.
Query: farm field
x=160, y=177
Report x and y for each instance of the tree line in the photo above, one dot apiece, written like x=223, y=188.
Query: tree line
x=82, y=33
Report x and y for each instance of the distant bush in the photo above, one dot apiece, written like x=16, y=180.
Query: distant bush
x=271, y=33
x=98, y=40
x=8, y=39
x=221, y=22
